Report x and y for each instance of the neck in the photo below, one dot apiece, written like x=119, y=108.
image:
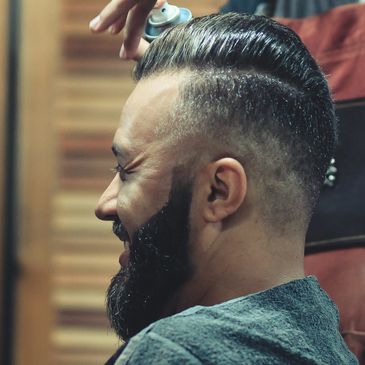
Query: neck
x=239, y=268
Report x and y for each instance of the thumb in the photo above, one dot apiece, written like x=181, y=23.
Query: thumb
x=142, y=48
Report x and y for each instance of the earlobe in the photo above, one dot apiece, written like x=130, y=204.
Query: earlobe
x=228, y=185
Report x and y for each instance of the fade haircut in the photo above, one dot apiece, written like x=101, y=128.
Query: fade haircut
x=252, y=91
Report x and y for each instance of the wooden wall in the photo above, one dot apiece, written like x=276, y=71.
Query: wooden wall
x=72, y=88
x=36, y=178
x=3, y=81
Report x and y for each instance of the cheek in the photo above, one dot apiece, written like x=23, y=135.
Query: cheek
x=128, y=208
x=139, y=200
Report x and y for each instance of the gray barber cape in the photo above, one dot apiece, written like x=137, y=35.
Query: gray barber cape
x=294, y=323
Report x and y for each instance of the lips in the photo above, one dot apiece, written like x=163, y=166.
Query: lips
x=124, y=258
x=121, y=232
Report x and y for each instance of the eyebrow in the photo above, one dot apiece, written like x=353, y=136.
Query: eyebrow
x=119, y=152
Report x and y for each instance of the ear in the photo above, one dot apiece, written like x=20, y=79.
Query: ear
x=227, y=189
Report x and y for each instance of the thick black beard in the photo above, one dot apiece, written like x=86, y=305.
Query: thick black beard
x=159, y=263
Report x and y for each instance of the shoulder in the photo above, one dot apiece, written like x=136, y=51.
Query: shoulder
x=196, y=336
x=279, y=326
x=153, y=348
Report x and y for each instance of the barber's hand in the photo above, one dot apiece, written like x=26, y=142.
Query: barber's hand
x=129, y=16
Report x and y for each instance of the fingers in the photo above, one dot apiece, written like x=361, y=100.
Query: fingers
x=135, y=25
x=159, y=4
x=142, y=48
x=117, y=26
x=115, y=11
x=130, y=15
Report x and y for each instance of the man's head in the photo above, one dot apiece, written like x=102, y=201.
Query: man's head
x=222, y=150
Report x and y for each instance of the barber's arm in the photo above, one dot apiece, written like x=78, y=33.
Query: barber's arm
x=130, y=17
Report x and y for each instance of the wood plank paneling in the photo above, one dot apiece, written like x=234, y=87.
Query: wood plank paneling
x=39, y=58
x=3, y=88
x=71, y=100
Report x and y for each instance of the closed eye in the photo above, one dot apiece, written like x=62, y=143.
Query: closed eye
x=119, y=169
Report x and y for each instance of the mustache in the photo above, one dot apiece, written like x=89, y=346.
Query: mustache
x=120, y=231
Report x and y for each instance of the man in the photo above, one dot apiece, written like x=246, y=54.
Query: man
x=221, y=153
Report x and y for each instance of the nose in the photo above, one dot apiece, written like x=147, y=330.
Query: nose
x=106, y=208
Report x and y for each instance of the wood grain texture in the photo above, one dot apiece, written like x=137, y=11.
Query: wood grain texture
x=36, y=178
x=3, y=88
x=71, y=99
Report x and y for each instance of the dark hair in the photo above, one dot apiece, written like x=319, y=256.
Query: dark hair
x=255, y=93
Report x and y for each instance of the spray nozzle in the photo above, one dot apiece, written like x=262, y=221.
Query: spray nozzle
x=165, y=14
x=165, y=17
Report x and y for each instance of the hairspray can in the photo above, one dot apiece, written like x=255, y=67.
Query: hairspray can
x=163, y=18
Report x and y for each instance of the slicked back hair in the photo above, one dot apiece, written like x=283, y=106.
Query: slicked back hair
x=252, y=91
